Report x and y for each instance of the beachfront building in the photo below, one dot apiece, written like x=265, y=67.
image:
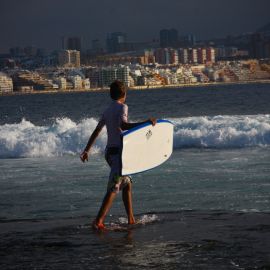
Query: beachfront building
x=69, y=58
x=76, y=82
x=6, y=83
x=25, y=81
x=86, y=84
x=198, y=73
x=93, y=75
x=188, y=76
x=123, y=74
x=169, y=77
x=61, y=82
x=54, y=86
x=109, y=74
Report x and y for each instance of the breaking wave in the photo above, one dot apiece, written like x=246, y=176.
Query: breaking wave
x=222, y=131
x=64, y=137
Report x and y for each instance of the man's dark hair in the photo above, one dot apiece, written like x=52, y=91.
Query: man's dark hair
x=117, y=90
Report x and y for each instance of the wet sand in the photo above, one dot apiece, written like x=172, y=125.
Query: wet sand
x=181, y=240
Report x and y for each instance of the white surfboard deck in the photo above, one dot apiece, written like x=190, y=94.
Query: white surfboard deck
x=146, y=147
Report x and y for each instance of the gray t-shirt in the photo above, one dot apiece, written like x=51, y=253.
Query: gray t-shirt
x=113, y=117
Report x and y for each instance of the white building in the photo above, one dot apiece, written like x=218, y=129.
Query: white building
x=86, y=84
x=77, y=82
x=61, y=82
x=6, y=83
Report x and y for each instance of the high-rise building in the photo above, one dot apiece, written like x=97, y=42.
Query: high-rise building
x=210, y=55
x=116, y=42
x=201, y=55
x=166, y=56
x=72, y=43
x=168, y=38
x=160, y=56
x=69, y=58
x=149, y=57
x=192, y=55
x=183, y=55
x=174, y=57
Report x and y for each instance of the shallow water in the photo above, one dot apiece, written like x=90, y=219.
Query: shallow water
x=193, y=179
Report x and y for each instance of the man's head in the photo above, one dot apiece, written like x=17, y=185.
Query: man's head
x=117, y=90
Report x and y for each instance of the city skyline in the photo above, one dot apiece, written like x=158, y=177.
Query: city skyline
x=42, y=23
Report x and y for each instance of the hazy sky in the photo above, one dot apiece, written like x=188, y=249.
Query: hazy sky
x=42, y=22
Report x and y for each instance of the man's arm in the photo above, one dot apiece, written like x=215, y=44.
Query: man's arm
x=84, y=155
x=127, y=126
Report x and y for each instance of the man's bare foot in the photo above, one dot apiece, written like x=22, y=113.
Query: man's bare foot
x=98, y=226
x=131, y=221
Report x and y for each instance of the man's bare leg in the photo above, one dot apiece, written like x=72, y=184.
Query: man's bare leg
x=104, y=209
x=127, y=199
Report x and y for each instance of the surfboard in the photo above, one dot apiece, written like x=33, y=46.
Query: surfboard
x=146, y=147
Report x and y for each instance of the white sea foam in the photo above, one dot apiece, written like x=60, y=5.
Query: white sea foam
x=222, y=131
x=63, y=137
x=144, y=219
x=25, y=139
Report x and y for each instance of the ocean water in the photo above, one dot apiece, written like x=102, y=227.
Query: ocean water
x=207, y=207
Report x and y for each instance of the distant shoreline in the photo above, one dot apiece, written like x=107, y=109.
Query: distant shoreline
x=143, y=87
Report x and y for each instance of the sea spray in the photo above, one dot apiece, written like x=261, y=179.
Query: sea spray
x=66, y=137
x=63, y=137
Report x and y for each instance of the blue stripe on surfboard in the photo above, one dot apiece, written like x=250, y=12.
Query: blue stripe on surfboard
x=125, y=133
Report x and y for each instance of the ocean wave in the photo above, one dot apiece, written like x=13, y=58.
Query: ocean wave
x=64, y=137
x=222, y=131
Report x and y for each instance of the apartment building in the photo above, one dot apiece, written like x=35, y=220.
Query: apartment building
x=6, y=83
